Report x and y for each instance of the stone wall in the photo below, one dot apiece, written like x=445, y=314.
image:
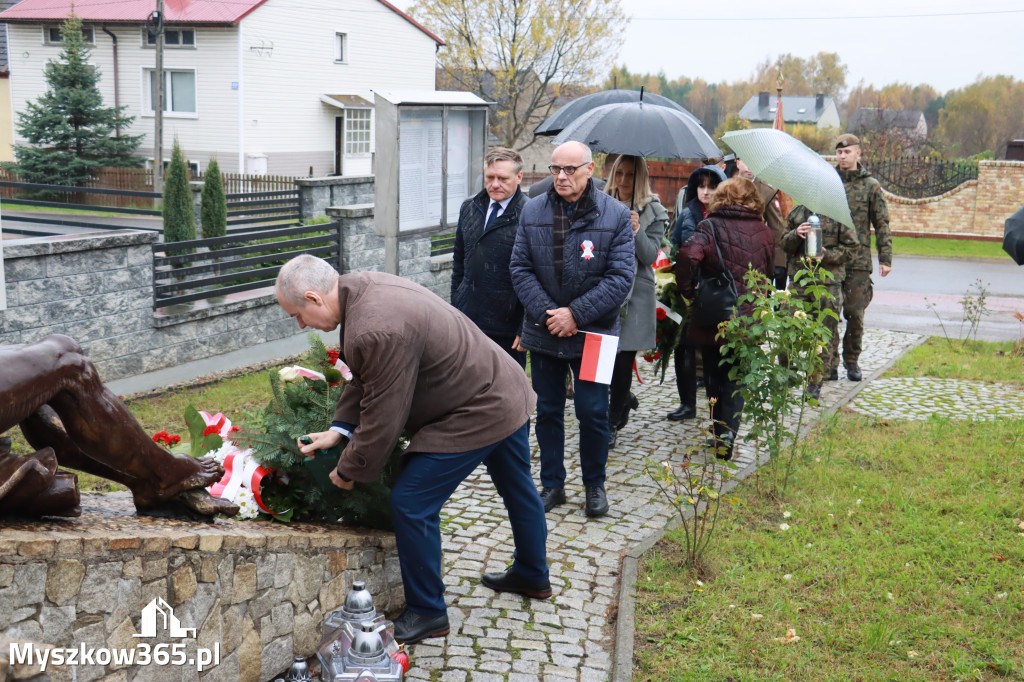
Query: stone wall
x=976, y=208
x=98, y=289
x=258, y=591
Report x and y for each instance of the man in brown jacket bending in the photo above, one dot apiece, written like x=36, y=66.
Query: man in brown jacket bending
x=420, y=365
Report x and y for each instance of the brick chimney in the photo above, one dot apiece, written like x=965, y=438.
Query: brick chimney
x=762, y=100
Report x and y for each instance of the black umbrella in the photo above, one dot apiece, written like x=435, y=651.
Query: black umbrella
x=554, y=123
x=1013, y=237
x=640, y=129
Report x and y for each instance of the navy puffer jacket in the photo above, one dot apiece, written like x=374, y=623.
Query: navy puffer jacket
x=593, y=287
x=481, y=283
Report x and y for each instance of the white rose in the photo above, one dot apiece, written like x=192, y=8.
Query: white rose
x=288, y=374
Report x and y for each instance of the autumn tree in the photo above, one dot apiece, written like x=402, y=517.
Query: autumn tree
x=985, y=115
x=522, y=55
x=821, y=73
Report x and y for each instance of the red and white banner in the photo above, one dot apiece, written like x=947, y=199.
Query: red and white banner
x=661, y=261
x=598, y=357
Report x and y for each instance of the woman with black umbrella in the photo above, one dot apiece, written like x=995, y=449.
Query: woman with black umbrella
x=629, y=183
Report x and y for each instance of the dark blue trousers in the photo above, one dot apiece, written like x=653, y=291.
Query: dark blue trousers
x=426, y=483
x=591, y=402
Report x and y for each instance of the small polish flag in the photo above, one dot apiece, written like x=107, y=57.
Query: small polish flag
x=661, y=261
x=598, y=358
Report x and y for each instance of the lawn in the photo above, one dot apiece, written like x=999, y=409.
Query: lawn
x=947, y=248
x=896, y=553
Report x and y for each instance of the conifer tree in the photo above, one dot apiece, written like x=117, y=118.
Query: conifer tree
x=214, y=212
x=70, y=133
x=179, y=215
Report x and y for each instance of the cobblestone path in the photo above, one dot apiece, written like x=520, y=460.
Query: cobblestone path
x=921, y=398
x=572, y=636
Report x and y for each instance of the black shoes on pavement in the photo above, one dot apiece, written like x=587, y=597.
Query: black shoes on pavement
x=853, y=373
x=613, y=435
x=411, y=627
x=681, y=413
x=552, y=497
x=510, y=582
x=597, y=501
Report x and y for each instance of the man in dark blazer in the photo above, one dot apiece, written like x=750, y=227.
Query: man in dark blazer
x=481, y=284
x=421, y=366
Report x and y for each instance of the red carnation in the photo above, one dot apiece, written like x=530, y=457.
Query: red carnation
x=332, y=355
x=174, y=440
x=661, y=314
x=212, y=429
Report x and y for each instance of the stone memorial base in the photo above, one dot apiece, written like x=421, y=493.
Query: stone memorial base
x=251, y=594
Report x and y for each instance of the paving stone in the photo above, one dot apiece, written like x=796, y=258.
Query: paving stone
x=507, y=637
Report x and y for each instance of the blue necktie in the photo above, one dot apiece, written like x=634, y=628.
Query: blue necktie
x=495, y=207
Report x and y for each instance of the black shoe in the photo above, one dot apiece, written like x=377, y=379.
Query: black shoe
x=853, y=373
x=613, y=435
x=814, y=391
x=510, y=582
x=833, y=375
x=634, y=404
x=597, y=501
x=681, y=413
x=411, y=627
x=552, y=497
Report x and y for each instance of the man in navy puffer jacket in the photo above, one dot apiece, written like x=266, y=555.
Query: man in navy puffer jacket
x=572, y=268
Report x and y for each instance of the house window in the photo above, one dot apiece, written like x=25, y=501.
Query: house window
x=357, y=131
x=173, y=37
x=179, y=91
x=340, y=47
x=53, y=37
x=193, y=166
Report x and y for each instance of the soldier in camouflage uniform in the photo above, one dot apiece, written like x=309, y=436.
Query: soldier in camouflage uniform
x=868, y=208
x=840, y=243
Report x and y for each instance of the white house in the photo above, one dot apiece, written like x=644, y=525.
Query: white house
x=265, y=86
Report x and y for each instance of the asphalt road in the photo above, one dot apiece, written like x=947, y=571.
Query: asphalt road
x=921, y=291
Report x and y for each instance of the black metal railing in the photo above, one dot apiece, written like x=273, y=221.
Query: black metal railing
x=241, y=261
x=916, y=177
x=441, y=244
x=251, y=208
x=63, y=198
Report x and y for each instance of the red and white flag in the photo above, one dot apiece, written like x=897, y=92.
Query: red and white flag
x=598, y=357
x=661, y=261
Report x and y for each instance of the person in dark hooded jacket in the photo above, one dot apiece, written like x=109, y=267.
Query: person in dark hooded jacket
x=696, y=204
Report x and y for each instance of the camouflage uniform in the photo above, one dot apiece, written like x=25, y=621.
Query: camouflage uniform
x=840, y=244
x=868, y=208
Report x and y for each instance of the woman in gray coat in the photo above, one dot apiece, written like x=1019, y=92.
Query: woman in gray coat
x=629, y=183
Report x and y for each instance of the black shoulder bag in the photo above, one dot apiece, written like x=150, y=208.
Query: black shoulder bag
x=715, y=300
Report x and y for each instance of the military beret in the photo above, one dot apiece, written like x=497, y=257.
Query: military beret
x=846, y=140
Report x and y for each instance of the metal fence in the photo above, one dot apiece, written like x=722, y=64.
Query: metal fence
x=916, y=177
x=59, y=201
x=220, y=266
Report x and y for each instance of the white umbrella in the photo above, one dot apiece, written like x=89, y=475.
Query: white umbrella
x=788, y=164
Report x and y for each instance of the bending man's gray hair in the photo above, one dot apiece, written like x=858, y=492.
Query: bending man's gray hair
x=305, y=273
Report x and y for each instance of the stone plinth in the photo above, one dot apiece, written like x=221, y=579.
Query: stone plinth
x=258, y=592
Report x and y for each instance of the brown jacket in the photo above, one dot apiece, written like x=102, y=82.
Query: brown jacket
x=420, y=365
x=773, y=218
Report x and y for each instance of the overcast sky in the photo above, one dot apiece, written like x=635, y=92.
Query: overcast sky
x=944, y=43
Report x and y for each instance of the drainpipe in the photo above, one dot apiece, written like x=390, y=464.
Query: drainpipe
x=117, y=90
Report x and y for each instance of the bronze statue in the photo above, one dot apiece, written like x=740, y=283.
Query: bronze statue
x=52, y=390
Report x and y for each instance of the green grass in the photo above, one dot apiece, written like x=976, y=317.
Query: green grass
x=980, y=360
x=903, y=537
x=8, y=206
x=947, y=248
